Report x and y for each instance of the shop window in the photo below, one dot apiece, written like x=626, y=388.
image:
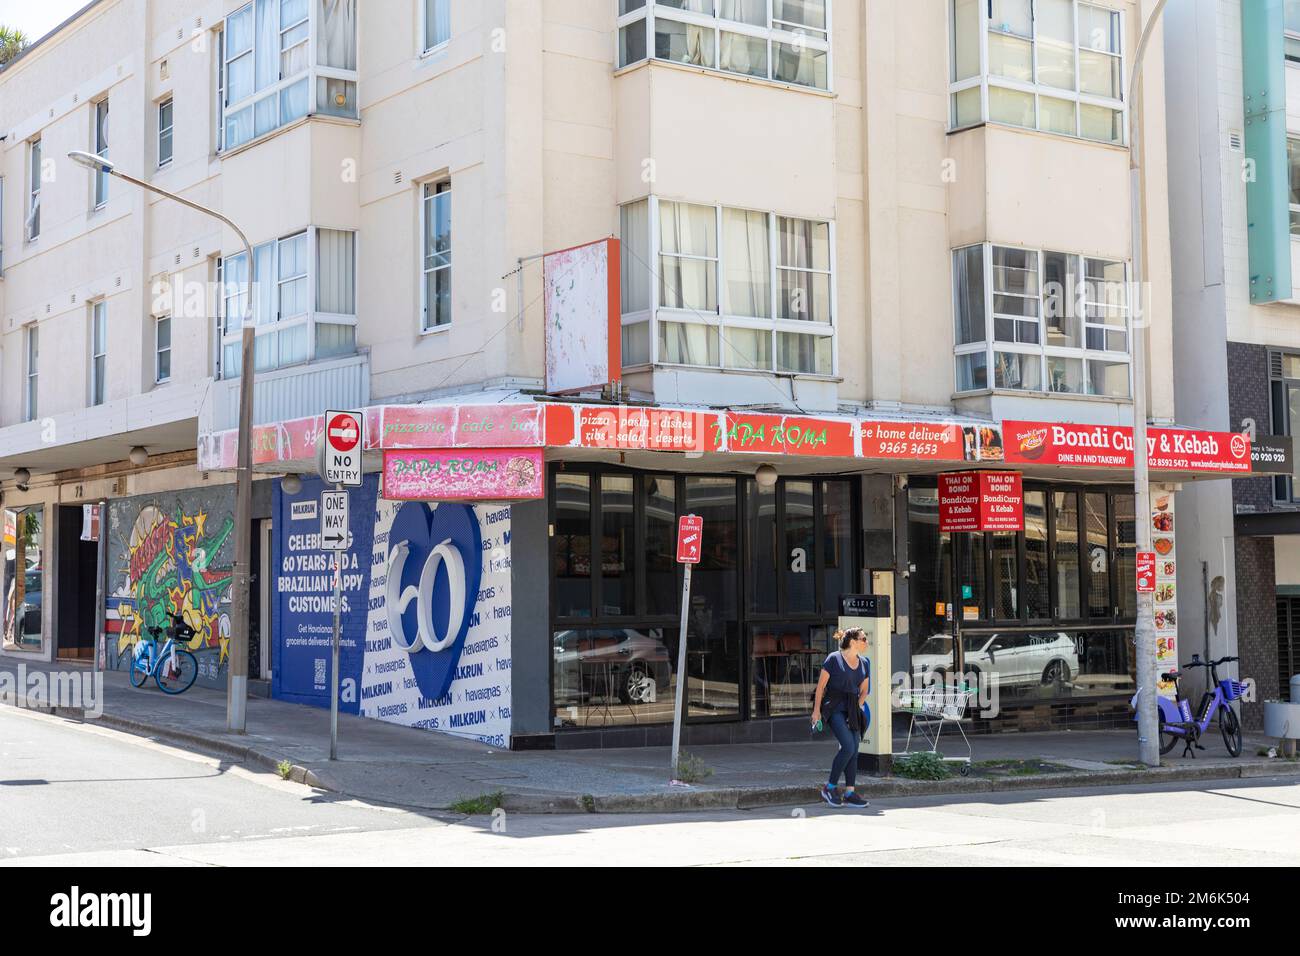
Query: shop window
x=930, y=581
x=572, y=545
x=663, y=594
x=1066, y=518
x=614, y=675
x=800, y=554
x=22, y=569
x=1125, y=555
x=1099, y=603
x=617, y=546
x=838, y=573
x=714, y=643
x=762, y=548
x=1038, y=595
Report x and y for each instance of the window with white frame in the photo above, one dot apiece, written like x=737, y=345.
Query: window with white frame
x=162, y=342
x=720, y=287
x=267, y=70
x=166, y=114
x=1053, y=65
x=101, y=150
x=34, y=191
x=304, y=300
x=435, y=23
x=436, y=264
x=1042, y=321
x=2, y=219
x=783, y=40
x=1293, y=165
x=1291, y=15
x=33, y=362
x=98, y=351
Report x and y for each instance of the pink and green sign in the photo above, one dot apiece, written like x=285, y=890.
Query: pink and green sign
x=464, y=474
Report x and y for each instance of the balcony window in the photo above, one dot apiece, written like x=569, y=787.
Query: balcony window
x=1059, y=322
x=304, y=300
x=721, y=287
x=786, y=40
x=1284, y=386
x=1053, y=65
x=267, y=74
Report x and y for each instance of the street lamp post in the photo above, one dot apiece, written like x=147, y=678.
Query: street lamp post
x=237, y=679
x=1144, y=633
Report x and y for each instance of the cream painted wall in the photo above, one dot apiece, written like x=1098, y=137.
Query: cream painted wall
x=522, y=110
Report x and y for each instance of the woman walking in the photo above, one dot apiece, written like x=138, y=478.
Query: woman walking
x=841, y=692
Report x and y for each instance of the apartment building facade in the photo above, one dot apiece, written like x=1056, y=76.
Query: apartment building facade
x=1233, y=74
x=860, y=245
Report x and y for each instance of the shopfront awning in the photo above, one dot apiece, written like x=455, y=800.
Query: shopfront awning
x=730, y=440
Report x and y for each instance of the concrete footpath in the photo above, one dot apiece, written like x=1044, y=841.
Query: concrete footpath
x=399, y=766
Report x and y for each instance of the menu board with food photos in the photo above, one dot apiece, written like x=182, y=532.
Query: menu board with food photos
x=1166, y=593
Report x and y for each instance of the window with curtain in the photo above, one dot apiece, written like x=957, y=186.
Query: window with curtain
x=1054, y=65
x=1060, y=321
x=304, y=302
x=688, y=241
x=787, y=41
x=437, y=23
x=268, y=73
x=740, y=288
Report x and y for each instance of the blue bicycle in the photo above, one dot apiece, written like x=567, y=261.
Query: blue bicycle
x=1177, y=722
x=173, y=667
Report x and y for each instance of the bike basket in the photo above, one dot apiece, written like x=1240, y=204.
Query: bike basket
x=1232, y=690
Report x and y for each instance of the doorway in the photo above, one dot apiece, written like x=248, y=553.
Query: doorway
x=76, y=564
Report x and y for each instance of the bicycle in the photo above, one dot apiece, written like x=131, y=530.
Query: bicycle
x=1177, y=722
x=173, y=668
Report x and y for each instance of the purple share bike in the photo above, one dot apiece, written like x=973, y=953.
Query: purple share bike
x=1177, y=722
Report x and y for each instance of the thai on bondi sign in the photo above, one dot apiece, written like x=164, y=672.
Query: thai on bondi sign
x=981, y=501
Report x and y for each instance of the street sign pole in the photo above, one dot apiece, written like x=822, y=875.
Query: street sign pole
x=679, y=706
x=334, y=652
x=690, y=534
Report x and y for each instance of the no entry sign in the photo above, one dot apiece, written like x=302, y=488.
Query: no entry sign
x=690, y=532
x=341, y=451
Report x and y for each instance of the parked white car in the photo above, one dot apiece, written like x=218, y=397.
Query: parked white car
x=1005, y=659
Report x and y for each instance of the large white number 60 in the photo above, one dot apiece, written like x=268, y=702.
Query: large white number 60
x=396, y=599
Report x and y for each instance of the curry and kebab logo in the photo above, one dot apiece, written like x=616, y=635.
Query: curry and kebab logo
x=168, y=570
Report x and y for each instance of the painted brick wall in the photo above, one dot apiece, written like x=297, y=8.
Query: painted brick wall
x=1256, y=624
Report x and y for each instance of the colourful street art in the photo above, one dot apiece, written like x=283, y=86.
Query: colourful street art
x=170, y=561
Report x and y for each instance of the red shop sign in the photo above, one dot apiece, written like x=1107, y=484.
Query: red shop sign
x=1111, y=446
x=981, y=501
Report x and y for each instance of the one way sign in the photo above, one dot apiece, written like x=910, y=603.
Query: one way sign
x=334, y=533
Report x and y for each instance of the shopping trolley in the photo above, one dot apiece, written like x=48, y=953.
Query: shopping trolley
x=931, y=708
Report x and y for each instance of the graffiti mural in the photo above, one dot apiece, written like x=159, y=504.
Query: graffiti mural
x=171, y=556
